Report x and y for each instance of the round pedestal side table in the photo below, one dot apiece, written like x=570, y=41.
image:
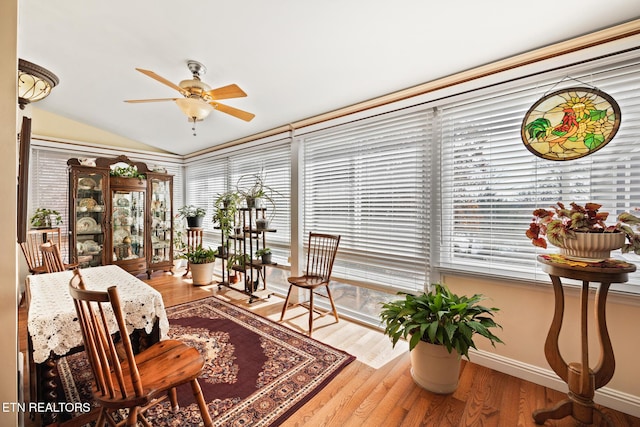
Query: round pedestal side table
x=582, y=380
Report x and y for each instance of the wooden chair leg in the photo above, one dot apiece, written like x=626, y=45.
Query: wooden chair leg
x=132, y=419
x=101, y=418
x=173, y=398
x=333, y=306
x=204, y=411
x=310, y=312
x=286, y=303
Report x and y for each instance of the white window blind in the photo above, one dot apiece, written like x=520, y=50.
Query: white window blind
x=370, y=183
x=213, y=176
x=273, y=164
x=205, y=180
x=491, y=183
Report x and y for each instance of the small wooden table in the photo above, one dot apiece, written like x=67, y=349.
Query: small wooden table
x=194, y=239
x=581, y=379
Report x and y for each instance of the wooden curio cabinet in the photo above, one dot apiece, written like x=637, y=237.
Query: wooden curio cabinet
x=88, y=210
x=120, y=218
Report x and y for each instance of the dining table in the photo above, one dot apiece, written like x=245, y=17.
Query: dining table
x=53, y=327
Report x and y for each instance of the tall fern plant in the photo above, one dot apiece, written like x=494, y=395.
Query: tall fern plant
x=439, y=317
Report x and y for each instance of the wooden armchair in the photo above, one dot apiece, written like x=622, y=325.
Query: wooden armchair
x=321, y=254
x=136, y=382
x=52, y=258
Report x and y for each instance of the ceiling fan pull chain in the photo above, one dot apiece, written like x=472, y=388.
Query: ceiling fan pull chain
x=194, y=126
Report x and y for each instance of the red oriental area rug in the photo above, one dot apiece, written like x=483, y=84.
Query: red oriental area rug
x=257, y=372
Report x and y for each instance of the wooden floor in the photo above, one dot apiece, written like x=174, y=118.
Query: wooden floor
x=376, y=389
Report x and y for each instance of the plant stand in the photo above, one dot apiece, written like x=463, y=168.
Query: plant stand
x=581, y=379
x=246, y=243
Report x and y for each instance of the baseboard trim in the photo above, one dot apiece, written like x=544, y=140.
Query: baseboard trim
x=611, y=398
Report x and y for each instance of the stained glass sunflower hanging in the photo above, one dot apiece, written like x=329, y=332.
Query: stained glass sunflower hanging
x=570, y=123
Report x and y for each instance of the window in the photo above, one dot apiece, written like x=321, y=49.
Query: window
x=370, y=183
x=491, y=183
x=208, y=178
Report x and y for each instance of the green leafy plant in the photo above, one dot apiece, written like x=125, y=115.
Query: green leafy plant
x=238, y=259
x=130, y=171
x=190, y=211
x=226, y=205
x=252, y=186
x=200, y=255
x=439, y=317
x=263, y=251
x=44, y=217
x=560, y=223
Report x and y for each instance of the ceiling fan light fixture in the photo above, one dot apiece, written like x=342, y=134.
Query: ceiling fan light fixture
x=194, y=108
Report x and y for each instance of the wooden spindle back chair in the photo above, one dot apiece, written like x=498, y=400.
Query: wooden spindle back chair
x=51, y=257
x=321, y=254
x=31, y=247
x=136, y=382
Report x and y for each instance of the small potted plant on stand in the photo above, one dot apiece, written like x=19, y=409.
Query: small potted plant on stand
x=252, y=188
x=45, y=218
x=581, y=233
x=440, y=327
x=264, y=255
x=193, y=214
x=201, y=262
x=224, y=218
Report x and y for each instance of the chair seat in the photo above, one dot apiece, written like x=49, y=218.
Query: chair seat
x=162, y=366
x=307, y=281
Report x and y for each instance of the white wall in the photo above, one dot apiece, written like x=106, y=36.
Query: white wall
x=525, y=315
x=8, y=174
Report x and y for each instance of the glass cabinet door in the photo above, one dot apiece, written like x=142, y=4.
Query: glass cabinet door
x=88, y=210
x=127, y=224
x=161, y=221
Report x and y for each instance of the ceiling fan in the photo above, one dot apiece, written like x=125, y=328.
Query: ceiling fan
x=198, y=99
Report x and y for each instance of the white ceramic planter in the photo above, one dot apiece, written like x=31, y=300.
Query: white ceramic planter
x=592, y=246
x=434, y=368
x=202, y=274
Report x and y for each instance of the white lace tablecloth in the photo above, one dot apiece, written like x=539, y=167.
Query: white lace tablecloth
x=52, y=319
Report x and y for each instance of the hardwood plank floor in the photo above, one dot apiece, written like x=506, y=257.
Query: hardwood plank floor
x=376, y=389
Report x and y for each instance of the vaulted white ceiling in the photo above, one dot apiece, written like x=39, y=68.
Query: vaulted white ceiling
x=295, y=59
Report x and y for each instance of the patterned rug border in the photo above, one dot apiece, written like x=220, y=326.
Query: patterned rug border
x=235, y=314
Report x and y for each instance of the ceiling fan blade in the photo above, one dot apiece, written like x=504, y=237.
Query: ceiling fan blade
x=161, y=80
x=133, y=101
x=226, y=92
x=247, y=117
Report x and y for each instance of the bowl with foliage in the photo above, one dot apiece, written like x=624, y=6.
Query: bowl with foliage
x=581, y=232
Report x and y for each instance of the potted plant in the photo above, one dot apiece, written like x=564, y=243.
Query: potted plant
x=201, y=262
x=581, y=232
x=265, y=255
x=193, y=214
x=226, y=205
x=237, y=260
x=252, y=188
x=440, y=327
x=45, y=218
